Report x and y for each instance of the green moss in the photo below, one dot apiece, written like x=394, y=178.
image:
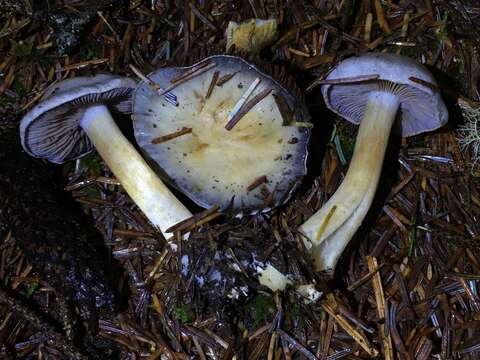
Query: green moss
x=32, y=289
x=91, y=163
x=184, y=313
x=261, y=308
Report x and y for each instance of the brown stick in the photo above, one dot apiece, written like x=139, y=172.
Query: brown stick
x=190, y=72
x=164, y=138
x=195, y=220
x=424, y=83
x=246, y=108
x=212, y=84
x=185, y=77
x=347, y=80
x=257, y=182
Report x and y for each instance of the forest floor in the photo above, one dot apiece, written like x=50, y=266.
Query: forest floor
x=406, y=287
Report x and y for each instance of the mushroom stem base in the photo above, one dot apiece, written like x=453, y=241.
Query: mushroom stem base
x=137, y=178
x=330, y=229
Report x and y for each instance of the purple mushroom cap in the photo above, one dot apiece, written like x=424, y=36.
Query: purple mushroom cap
x=51, y=130
x=421, y=106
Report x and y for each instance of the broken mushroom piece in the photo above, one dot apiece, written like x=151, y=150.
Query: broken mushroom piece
x=74, y=117
x=235, y=139
x=275, y=280
x=398, y=88
x=251, y=35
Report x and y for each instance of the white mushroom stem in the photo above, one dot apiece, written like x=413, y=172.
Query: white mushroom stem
x=330, y=229
x=140, y=182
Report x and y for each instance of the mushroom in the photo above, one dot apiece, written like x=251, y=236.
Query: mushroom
x=235, y=139
x=74, y=117
x=371, y=90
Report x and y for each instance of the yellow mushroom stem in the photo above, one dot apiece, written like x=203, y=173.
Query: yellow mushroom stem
x=140, y=182
x=331, y=228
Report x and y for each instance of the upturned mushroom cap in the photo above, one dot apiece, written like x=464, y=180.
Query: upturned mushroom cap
x=211, y=164
x=421, y=106
x=51, y=130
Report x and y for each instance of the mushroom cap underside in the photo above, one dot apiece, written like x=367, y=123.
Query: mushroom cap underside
x=421, y=106
x=51, y=130
x=211, y=164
